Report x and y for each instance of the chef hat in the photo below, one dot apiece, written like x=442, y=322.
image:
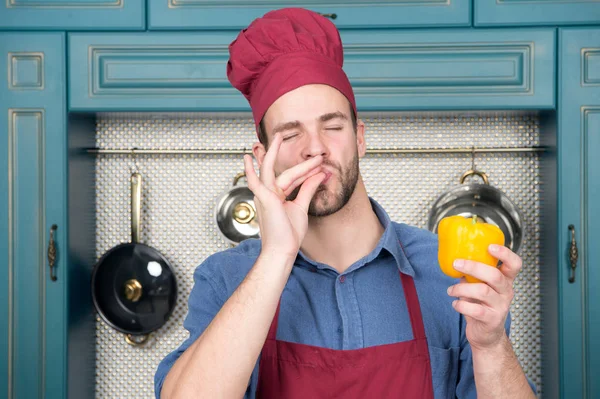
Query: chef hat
x=283, y=50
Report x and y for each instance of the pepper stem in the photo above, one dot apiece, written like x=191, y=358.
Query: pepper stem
x=474, y=219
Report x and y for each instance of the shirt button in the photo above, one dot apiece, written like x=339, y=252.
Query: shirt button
x=342, y=279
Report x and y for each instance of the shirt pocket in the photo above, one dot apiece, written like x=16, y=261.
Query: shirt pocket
x=444, y=371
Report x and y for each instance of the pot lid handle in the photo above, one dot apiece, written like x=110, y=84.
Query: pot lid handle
x=474, y=172
x=243, y=213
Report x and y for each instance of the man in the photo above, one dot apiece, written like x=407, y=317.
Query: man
x=334, y=300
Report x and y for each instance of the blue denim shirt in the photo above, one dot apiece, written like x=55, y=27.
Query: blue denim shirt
x=364, y=308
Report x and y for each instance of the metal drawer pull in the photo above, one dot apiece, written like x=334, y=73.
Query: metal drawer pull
x=573, y=254
x=52, y=253
x=332, y=16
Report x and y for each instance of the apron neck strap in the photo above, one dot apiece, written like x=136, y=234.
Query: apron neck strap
x=414, y=309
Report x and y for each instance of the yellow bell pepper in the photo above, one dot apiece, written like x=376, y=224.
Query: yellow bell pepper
x=466, y=238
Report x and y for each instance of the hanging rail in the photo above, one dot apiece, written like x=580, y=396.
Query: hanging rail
x=108, y=151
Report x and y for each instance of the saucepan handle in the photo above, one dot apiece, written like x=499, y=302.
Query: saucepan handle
x=238, y=177
x=474, y=172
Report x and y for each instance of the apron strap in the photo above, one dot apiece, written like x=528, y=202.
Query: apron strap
x=273, y=329
x=414, y=309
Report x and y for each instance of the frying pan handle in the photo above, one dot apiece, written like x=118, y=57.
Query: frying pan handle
x=474, y=172
x=136, y=196
x=136, y=342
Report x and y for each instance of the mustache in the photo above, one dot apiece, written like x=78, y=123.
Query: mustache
x=332, y=164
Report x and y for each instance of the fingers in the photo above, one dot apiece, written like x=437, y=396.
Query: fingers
x=474, y=310
x=289, y=180
x=267, y=170
x=301, y=180
x=487, y=274
x=294, y=176
x=308, y=190
x=254, y=183
x=478, y=293
x=511, y=262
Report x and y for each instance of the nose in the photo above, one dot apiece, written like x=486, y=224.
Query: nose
x=315, y=146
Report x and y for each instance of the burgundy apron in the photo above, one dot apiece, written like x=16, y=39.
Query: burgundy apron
x=289, y=370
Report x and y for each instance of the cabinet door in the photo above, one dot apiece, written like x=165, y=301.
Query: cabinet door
x=73, y=14
x=389, y=69
x=579, y=190
x=32, y=200
x=538, y=12
x=237, y=14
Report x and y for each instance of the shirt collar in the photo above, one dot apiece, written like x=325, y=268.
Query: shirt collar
x=390, y=241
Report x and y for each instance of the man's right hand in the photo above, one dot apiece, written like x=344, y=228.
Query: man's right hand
x=283, y=224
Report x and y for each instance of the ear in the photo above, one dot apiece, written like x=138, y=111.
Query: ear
x=360, y=138
x=259, y=152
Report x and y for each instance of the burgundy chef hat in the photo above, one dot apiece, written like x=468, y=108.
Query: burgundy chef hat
x=283, y=50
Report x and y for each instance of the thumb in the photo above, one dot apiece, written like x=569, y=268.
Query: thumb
x=307, y=191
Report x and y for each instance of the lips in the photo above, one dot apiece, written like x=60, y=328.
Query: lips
x=328, y=175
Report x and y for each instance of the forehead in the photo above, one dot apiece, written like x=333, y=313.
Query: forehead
x=306, y=104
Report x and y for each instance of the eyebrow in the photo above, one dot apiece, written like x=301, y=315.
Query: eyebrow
x=295, y=124
x=333, y=115
x=286, y=126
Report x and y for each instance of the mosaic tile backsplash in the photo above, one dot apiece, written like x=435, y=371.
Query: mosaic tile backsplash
x=180, y=192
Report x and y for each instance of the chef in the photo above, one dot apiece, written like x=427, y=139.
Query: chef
x=335, y=300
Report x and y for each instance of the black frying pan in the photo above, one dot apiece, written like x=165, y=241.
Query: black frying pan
x=133, y=285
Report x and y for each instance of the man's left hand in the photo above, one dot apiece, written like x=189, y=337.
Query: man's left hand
x=485, y=305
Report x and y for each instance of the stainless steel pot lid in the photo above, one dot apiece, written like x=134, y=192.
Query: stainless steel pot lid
x=235, y=213
x=488, y=203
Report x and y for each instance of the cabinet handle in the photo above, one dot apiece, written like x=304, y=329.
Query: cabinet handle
x=573, y=254
x=52, y=253
x=332, y=16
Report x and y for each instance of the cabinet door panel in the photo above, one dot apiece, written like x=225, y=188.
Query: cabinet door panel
x=237, y=14
x=389, y=70
x=536, y=12
x=32, y=199
x=73, y=14
x=579, y=182
x=592, y=254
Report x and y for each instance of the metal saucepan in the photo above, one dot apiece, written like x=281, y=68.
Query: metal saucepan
x=235, y=213
x=133, y=285
x=487, y=203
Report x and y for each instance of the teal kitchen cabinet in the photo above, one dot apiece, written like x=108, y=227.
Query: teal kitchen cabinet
x=237, y=14
x=535, y=12
x=579, y=190
x=389, y=69
x=33, y=215
x=73, y=15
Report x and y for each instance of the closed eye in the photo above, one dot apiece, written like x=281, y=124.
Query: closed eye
x=289, y=136
x=334, y=128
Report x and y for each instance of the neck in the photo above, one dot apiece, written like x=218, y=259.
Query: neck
x=340, y=239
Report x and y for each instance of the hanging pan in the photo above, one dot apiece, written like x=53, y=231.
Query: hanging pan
x=487, y=203
x=133, y=285
x=235, y=213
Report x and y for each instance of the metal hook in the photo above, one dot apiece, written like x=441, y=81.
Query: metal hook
x=135, y=165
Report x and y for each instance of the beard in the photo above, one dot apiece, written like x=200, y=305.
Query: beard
x=326, y=202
